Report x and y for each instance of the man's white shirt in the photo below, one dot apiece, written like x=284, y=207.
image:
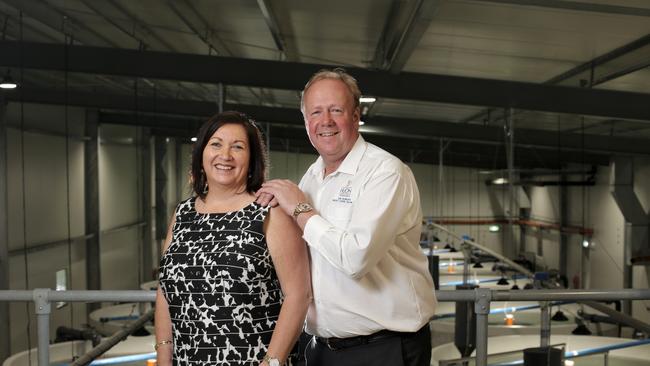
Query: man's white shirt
x=368, y=272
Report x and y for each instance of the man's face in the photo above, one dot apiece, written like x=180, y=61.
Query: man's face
x=331, y=119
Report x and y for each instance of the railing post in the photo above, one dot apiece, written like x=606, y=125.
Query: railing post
x=482, y=310
x=43, y=309
x=606, y=358
x=545, y=324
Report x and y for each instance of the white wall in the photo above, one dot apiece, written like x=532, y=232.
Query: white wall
x=46, y=203
x=119, y=207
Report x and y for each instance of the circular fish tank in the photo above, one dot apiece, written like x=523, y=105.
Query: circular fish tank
x=581, y=350
x=130, y=352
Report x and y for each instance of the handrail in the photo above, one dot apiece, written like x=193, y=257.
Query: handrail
x=482, y=298
x=477, y=281
x=504, y=309
x=586, y=351
x=491, y=252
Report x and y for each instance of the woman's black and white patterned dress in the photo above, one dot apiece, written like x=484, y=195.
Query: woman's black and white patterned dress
x=223, y=293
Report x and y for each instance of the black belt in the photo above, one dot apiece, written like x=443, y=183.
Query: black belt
x=335, y=344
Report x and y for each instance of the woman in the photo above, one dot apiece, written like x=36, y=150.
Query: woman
x=234, y=276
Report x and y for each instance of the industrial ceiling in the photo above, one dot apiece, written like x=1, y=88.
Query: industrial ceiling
x=568, y=80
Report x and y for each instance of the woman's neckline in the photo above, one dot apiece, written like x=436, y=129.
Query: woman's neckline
x=195, y=198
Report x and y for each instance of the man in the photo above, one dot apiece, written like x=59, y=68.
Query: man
x=359, y=209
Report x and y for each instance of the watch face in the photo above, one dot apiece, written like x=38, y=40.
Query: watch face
x=302, y=207
x=274, y=362
x=305, y=207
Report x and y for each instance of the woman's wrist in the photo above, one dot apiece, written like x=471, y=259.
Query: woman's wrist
x=162, y=343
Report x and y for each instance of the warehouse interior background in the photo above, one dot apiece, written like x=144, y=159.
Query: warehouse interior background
x=553, y=97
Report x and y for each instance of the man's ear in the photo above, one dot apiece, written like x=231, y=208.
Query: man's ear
x=357, y=116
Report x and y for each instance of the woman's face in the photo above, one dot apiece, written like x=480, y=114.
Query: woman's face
x=226, y=157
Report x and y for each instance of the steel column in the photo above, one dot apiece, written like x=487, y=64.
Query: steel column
x=5, y=334
x=91, y=202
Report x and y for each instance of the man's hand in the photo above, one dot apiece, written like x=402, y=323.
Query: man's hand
x=284, y=192
x=265, y=199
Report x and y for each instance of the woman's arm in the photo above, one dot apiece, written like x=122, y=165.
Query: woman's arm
x=289, y=254
x=162, y=319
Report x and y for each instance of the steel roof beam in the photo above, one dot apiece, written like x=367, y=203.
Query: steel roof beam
x=577, y=6
x=292, y=76
x=270, y=11
x=53, y=17
x=406, y=23
x=411, y=129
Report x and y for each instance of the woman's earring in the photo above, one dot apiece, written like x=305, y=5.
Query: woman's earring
x=205, y=188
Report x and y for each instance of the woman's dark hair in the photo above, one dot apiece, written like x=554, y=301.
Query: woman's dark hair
x=258, y=157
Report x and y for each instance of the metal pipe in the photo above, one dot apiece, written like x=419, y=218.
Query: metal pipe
x=577, y=295
x=444, y=295
x=16, y=295
x=545, y=324
x=482, y=298
x=481, y=339
x=491, y=252
x=100, y=296
x=113, y=340
x=43, y=327
x=482, y=310
x=620, y=317
x=43, y=309
x=467, y=259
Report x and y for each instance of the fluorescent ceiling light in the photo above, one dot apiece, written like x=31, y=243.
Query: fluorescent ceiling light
x=494, y=228
x=193, y=139
x=8, y=82
x=361, y=123
x=500, y=181
x=367, y=100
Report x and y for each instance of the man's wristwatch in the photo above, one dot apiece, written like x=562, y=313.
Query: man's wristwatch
x=301, y=208
x=271, y=361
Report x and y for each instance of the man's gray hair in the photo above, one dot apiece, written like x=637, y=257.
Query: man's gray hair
x=336, y=74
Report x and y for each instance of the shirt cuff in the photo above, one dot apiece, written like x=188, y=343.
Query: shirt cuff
x=315, y=228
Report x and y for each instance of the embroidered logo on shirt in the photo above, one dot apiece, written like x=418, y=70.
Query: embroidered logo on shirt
x=345, y=194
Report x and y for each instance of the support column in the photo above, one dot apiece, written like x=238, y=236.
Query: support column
x=91, y=183
x=148, y=253
x=564, y=222
x=510, y=247
x=5, y=335
x=161, y=186
x=585, y=266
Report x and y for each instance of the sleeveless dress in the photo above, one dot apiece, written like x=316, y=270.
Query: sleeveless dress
x=223, y=293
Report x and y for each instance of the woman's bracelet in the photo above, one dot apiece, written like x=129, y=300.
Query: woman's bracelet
x=161, y=343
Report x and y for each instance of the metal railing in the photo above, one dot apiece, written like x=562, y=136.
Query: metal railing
x=481, y=297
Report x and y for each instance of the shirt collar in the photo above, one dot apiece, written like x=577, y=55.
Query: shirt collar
x=349, y=165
